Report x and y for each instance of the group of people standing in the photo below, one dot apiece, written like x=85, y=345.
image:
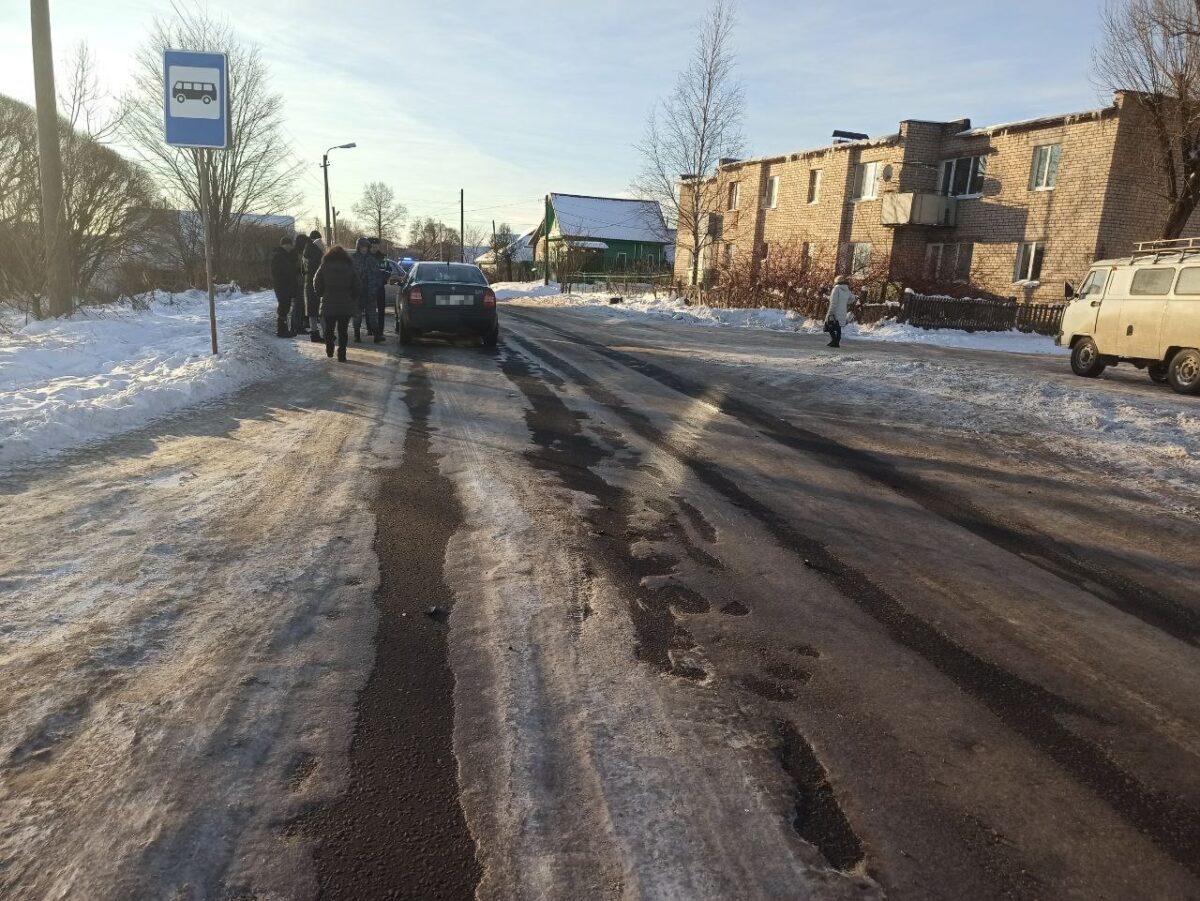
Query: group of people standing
x=321, y=291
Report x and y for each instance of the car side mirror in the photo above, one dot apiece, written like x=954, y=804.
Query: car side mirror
x=1069, y=291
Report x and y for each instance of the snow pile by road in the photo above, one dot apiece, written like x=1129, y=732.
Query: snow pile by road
x=675, y=309
x=103, y=371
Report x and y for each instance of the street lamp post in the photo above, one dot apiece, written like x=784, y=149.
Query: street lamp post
x=325, y=166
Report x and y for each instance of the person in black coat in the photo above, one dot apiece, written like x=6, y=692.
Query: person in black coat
x=314, y=249
x=285, y=279
x=337, y=284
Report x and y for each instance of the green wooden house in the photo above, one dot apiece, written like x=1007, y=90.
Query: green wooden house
x=603, y=235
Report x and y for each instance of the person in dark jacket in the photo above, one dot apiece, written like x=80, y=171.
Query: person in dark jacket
x=286, y=281
x=336, y=283
x=363, y=262
x=379, y=276
x=313, y=251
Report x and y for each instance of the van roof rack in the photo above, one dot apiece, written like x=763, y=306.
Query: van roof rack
x=1165, y=247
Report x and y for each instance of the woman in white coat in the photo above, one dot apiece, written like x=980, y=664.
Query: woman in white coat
x=841, y=298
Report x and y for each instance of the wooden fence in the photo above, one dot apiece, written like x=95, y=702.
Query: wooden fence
x=971, y=314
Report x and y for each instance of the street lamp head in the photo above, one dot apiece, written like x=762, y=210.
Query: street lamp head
x=346, y=146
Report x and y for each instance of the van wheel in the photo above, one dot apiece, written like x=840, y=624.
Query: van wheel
x=1184, y=372
x=1158, y=373
x=180, y=98
x=1086, y=360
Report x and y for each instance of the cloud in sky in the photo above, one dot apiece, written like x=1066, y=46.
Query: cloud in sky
x=510, y=102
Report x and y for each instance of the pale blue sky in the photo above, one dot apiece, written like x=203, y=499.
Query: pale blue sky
x=513, y=100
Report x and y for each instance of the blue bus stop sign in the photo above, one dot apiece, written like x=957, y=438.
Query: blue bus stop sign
x=196, y=99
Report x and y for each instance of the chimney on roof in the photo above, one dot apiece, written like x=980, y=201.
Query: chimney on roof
x=726, y=160
x=960, y=124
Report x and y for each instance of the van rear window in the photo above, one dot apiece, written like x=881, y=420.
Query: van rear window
x=1189, y=281
x=1154, y=282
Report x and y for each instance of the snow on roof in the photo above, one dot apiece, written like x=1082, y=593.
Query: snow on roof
x=1040, y=122
x=611, y=218
x=521, y=250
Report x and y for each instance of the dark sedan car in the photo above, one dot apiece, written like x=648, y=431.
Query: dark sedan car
x=447, y=299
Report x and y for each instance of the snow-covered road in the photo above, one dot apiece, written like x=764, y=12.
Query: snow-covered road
x=625, y=608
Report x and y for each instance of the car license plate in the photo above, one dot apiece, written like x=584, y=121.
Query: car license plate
x=452, y=300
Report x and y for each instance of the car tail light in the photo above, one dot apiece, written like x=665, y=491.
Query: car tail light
x=489, y=299
x=416, y=298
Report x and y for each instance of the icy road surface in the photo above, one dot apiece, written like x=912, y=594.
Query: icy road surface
x=626, y=608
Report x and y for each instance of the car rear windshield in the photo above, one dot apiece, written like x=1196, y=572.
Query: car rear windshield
x=450, y=272
x=1153, y=282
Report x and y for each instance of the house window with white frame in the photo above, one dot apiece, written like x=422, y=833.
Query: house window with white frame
x=866, y=181
x=735, y=190
x=860, y=259
x=962, y=177
x=814, y=186
x=771, y=194
x=949, y=262
x=1029, y=261
x=1043, y=173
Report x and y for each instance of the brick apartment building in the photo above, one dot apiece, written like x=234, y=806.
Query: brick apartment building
x=1015, y=210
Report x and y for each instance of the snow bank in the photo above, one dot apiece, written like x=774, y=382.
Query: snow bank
x=107, y=370
x=676, y=310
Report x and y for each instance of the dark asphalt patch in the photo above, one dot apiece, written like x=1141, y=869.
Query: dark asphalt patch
x=1030, y=710
x=563, y=450
x=1042, y=550
x=398, y=830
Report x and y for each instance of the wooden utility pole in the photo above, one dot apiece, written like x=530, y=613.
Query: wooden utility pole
x=546, y=236
x=335, y=228
x=58, y=273
x=462, y=227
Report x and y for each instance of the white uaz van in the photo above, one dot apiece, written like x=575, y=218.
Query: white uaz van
x=1143, y=310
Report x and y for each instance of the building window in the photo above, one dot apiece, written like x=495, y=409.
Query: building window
x=735, y=191
x=771, y=195
x=728, y=255
x=1044, y=174
x=805, y=256
x=963, y=177
x=860, y=260
x=866, y=181
x=1029, y=261
x=814, y=185
x=949, y=262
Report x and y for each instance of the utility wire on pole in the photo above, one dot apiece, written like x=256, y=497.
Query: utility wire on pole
x=58, y=275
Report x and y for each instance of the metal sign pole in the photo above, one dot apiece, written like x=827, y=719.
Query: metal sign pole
x=202, y=157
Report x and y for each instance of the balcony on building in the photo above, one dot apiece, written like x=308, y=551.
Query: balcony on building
x=920, y=209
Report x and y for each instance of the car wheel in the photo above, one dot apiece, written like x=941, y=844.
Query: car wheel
x=491, y=338
x=1086, y=360
x=1158, y=373
x=179, y=98
x=406, y=336
x=1184, y=372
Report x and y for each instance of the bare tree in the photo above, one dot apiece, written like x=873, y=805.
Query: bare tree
x=502, y=250
x=1152, y=49
x=256, y=174
x=689, y=132
x=434, y=240
x=379, y=208
x=475, y=238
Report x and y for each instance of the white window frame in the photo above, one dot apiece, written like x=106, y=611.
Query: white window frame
x=1041, y=178
x=814, y=186
x=861, y=191
x=949, y=169
x=771, y=194
x=860, y=268
x=1025, y=273
x=734, y=197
